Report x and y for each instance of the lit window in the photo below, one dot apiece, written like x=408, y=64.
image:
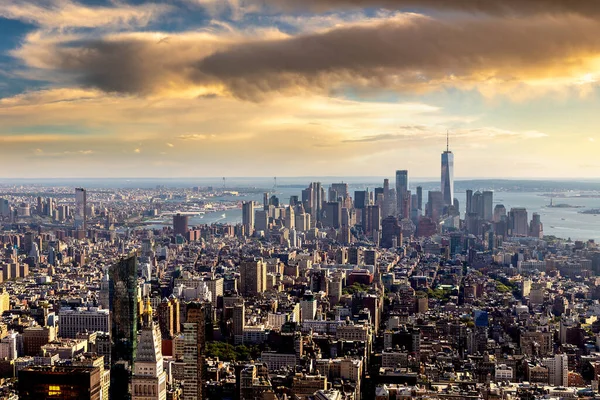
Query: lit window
x=54, y=390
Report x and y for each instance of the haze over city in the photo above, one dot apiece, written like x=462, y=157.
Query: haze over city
x=239, y=88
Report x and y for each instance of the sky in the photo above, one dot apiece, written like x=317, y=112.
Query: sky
x=192, y=88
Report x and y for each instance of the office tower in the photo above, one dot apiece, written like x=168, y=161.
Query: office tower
x=253, y=277
x=447, y=182
x=239, y=322
x=294, y=201
x=290, y=218
x=517, y=222
x=124, y=308
x=419, y=197
x=81, y=320
x=391, y=232
x=401, y=189
x=4, y=208
x=333, y=214
x=180, y=224
x=377, y=193
x=499, y=212
x=488, y=205
x=248, y=217
x=308, y=307
x=469, y=205
x=265, y=201
x=302, y=222
x=149, y=381
x=39, y=208
x=387, y=204
x=316, y=193
x=414, y=207
x=477, y=204
x=60, y=382
x=80, y=209
x=194, y=333
x=261, y=220
x=536, y=228
x=361, y=198
x=341, y=190
x=307, y=198
x=435, y=205
x=371, y=221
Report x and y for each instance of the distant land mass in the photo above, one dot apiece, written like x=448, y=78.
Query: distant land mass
x=239, y=183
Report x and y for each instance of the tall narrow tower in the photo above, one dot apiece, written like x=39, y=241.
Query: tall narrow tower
x=149, y=381
x=447, y=174
x=80, y=209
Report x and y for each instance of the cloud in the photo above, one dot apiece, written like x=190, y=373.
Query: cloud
x=495, y=7
x=192, y=136
x=409, y=53
x=70, y=14
x=438, y=134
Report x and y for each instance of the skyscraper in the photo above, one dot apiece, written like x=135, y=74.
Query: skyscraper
x=180, y=224
x=517, y=222
x=123, y=305
x=248, y=216
x=447, y=182
x=488, y=205
x=469, y=205
x=401, y=189
x=333, y=214
x=253, y=277
x=419, y=197
x=194, y=336
x=149, y=380
x=80, y=209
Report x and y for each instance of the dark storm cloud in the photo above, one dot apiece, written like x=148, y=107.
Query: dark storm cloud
x=494, y=7
x=405, y=53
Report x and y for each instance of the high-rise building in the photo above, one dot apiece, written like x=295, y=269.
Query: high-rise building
x=536, y=228
x=469, y=205
x=499, y=213
x=80, y=209
x=194, y=333
x=253, y=277
x=401, y=189
x=333, y=214
x=338, y=190
x=391, y=232
x=419, y=197
x=149, y=381
x=447, y=182
x=248, y=216
x=261, y=220
x=361, y=199
x=180, y=224
x=317, y=196
x=124, y=310
x=435, y=205
x=290, y=218
x=488, y=205
x=371, y=221
x=517, y=222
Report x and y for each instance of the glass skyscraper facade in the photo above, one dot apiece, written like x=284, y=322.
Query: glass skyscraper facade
x=447, y=177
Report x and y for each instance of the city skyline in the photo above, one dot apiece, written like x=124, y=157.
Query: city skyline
x=232, y=88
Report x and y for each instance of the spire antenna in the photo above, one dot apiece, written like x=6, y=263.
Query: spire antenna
x=447, y=140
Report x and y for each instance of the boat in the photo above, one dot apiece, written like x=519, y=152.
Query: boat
x=223, y=215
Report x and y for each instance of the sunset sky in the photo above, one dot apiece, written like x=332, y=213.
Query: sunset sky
x=188, y=88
